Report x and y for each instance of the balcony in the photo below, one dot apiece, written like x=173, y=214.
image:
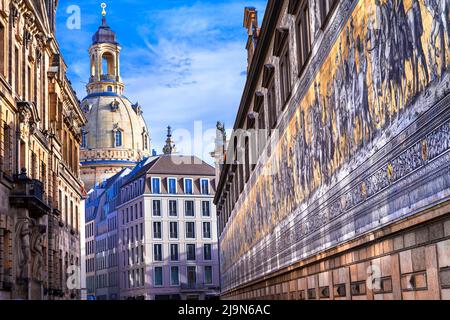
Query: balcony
x=29, y=194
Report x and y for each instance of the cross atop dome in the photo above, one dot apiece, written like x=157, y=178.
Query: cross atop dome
x=103, y=5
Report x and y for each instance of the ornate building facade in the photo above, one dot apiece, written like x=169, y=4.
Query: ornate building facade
x=40, y=135
x=116, y=136
x=344, y=192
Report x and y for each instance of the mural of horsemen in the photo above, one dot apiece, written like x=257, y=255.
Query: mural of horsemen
x=388, y=53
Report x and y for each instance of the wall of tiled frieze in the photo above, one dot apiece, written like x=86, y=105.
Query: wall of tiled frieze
x=349, y=161
x=413, y=263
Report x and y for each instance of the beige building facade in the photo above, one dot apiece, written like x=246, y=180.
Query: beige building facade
x=40, y=136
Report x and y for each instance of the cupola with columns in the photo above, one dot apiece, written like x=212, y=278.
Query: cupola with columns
x=116, y=136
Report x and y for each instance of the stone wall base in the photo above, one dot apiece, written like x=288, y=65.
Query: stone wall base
x=408, y=260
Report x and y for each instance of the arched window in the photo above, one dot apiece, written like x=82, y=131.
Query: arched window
x=118, y=138
x=108, y=66
x=110, y=89
x=145, y=138
x=83, y=139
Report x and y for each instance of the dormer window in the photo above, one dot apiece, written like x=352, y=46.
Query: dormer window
x=114, y=105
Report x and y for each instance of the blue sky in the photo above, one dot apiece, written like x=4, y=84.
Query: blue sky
x=183, y=61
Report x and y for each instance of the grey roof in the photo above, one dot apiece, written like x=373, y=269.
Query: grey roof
x=104, y=34
x=173, y=165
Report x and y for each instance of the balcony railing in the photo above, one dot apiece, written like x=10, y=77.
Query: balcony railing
x=29, y=193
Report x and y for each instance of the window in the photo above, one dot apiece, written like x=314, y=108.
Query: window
x=83, y=139
x=174, y=276
x=259, y=109
x=326, y=7
x=190, y=230
x=206, y=230
x=118, y=138
x=110, y=89
x=172, y=185
x=285, y=75
x=272, y=103
x=303, y=36
x=247, y=158
x=190, y=252
x=205, y=186
x=206, y=208
x=207, y=252
x=173, y=208
x=2, y=50
x=189, y=208
x=188, y=186
x=158, y=277
x=174, y=252
x=156, y=208
x=141, y=211
x=156, y=185
x=208, y=275
x=157, y=252
x=157, y=230
x=174, y=230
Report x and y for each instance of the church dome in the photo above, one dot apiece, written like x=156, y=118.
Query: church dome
x=116, y=135
x=115, y=125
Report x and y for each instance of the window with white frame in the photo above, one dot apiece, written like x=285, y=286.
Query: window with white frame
x=174, y=276
x=158, y=278
x=174, y=252
x=189, y=208
x=206, y=208
x=173, y=230
x=204, y=186
x=172, y=185
x=157, y=208
x=188, y=186
x=190, y=230
x=190, y=252
x=207, y=252
x=157, y=252
x=208, y=275
x=157, y=234
x=206, y=230
x=156, y=185
x=173, y=210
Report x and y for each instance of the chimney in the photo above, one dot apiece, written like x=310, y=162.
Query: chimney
x=251, y=24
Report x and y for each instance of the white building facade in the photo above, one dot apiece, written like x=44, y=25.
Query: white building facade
x=168, y=244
